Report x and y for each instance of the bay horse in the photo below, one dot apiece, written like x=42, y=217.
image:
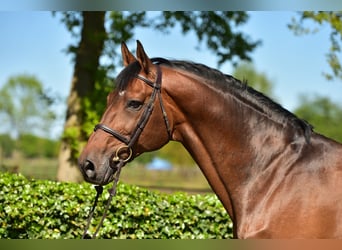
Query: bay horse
x=274, y=175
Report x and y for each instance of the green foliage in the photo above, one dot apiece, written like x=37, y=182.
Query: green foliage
x=52, y=210
x=216, y=28
x=255, y=79
x=71, y=136
x=7, y=145
x=26, y=106
x=29, y=146
x=93, y=106
x=323, y=114
x=334, y=20
x=33, y=146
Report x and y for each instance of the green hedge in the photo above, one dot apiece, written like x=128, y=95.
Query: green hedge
x=53, y=210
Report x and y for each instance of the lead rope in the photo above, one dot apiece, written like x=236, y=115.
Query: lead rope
x=99, y=190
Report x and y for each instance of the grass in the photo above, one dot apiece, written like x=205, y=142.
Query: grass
x=179, y=178
x=189, y=179
x=37, y=168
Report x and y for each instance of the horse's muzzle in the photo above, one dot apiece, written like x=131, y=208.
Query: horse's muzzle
x=101, y=176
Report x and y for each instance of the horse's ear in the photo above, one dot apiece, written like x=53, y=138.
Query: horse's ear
x=127, y=56
x=143, y=59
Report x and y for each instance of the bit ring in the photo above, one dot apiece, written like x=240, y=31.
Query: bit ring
x=117, y=158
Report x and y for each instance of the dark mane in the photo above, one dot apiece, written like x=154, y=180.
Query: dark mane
x=127, y=75
x=227, y=84
x=129, y=72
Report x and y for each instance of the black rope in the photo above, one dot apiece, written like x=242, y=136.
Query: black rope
x=99, y=190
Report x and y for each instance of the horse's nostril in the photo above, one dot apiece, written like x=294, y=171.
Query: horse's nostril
x=89, y=169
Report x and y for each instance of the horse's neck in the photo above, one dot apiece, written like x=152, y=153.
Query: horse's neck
x=222, y=142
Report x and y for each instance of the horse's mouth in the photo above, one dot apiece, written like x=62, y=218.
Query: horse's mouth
x=99, y=177
x=102, y=172
x=108, y=176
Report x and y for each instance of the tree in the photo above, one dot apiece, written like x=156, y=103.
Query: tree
x=26, y=107
x=323, y=114
x=7, y=146
x=332, y=19
x=85, y=75
x=91, y=78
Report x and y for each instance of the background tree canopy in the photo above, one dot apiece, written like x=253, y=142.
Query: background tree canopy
x=323, y=114
x=22, y=100
x=333, y=19
x=258, y=80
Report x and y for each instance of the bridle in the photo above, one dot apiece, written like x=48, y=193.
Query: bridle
x=129, y=143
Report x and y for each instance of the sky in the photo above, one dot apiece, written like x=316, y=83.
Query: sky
x=33, y=43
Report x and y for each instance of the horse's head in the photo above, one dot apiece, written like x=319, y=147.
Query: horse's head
x=134, y=121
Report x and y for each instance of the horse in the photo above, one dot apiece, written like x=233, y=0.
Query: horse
x=275, y=176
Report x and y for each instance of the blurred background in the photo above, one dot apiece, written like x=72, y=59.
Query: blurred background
x=56, y=69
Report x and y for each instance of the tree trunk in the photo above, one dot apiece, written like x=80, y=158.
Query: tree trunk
x=83, y=81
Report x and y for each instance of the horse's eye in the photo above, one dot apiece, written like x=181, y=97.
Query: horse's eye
x=134, y=104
